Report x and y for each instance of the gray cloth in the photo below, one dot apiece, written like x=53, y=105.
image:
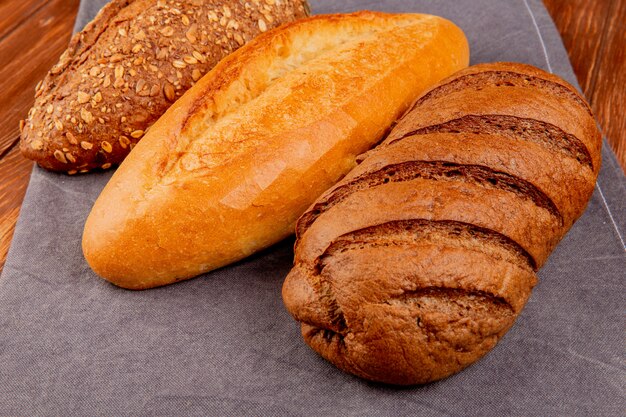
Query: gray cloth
x=222, y=344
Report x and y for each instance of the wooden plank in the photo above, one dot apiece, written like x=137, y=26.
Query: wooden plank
x=15, y=172
x=581, y=24
x=594, y=35
x=609, y=93
x=27, y=54
x=14, y=13
x=28, y=49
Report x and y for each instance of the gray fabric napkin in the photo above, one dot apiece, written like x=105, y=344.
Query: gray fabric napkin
x=222, y=344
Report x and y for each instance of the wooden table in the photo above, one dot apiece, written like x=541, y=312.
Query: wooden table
x=33, y=33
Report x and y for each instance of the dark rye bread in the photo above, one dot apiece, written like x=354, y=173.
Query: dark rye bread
x=513, y=128
x=126, y=68
x=436, y=171
x=558, y=119
x=506, y=74
x=437, y=199
x=518, y=160
x=417, y=262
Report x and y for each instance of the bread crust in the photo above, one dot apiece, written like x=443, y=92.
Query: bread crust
x=437, y=201
x=231, y=165
x=127, y=66
x=416, y=263
x=379, y=312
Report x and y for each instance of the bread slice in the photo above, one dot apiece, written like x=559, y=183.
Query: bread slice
x=232, y=164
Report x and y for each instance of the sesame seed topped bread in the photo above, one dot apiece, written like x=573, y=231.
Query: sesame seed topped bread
x=127, y=66
x=232, y=164
x=416, y=263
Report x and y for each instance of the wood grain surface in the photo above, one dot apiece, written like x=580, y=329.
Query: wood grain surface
x=34, y=33
x=594, y=34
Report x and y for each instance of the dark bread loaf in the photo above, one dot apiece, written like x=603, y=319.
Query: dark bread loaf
x=417, y=262
x=121, y=73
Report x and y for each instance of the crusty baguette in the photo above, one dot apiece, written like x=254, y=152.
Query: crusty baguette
x=127, y=66
x=417, y=262
x=230, y=166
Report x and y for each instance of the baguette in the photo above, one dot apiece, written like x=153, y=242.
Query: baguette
x=231, y=166
x=417, y=262
x=126, y=67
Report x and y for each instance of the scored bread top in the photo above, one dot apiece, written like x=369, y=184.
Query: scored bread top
x=126, y=67
x=510, y=119
x=514, y=92
x=416, y=263
x=232, y=164
x=297, y=71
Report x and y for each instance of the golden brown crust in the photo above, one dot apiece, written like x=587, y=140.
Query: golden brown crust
x=126, y=67
x=231, y=165
x=417, y=262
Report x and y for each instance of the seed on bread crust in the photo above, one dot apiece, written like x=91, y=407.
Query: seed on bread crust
x=60, y=156
x=106, y=146
x=169, y=92
x=36, y=145
x=83, y=98
x=167, y=31
x=119, y=71
x=124, y=141
x=86, y=115
x=71, y=138
x=70, y=157
x=262, y=25
x=137, y=65
x=198, y=56
x=155, y=90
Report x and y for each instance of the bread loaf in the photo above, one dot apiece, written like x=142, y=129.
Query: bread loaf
x=127, y=66
x=231, y=165
x=417, y=262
